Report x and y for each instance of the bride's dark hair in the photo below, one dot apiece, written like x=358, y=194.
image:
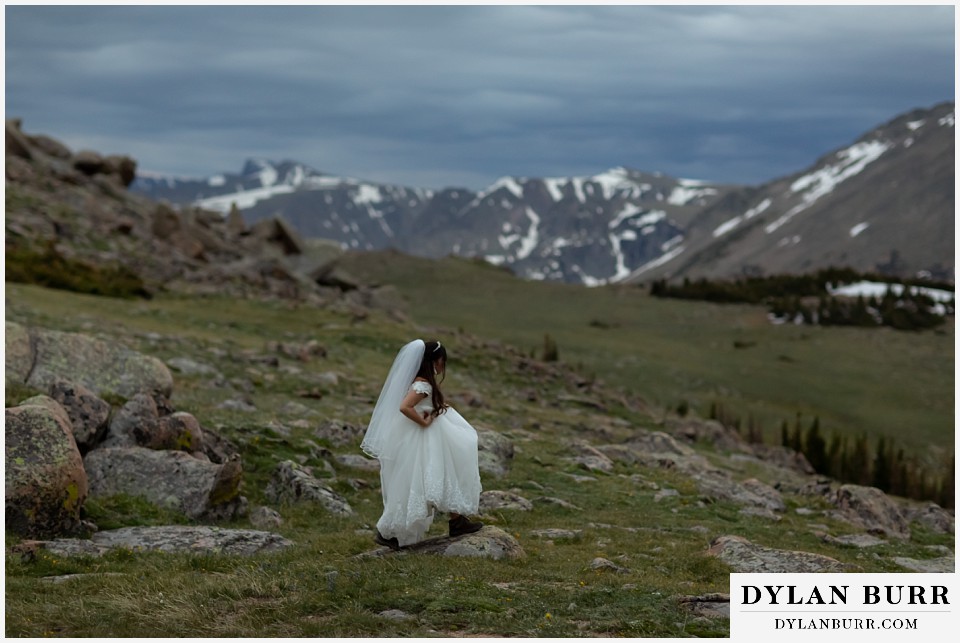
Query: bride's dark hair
x=434, y=351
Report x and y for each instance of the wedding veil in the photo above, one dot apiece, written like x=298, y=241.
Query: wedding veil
x=385, y=414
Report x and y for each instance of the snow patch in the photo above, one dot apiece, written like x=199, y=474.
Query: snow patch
x=659, y=261
x=553, y=187
x=268, y=176
x=946, y=120
x=243, y=198
x=612, y=181
x=217, y=181
x=367, y=193
x=915, y=125
x=857, y=229
x=687, y=191
x=529, y=242
x=727, y=226
x=878, y=289
x=851, y=162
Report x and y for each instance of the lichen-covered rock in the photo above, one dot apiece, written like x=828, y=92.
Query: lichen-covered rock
x=744, y=556
x=178, y=431
x=933, y=517
x=139, y=416
x=355, y=461
x=292, y=483
x=45, y=481
x=871, y=509
x=265, y=518
x=942, y=565
x=339, y=433
x=591, y=458
x=170, y=539
x=489, y=542
x=172, y=479
x=88, y=413
x=717, y=485
x=106, y=368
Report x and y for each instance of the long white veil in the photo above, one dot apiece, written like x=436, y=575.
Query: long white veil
x=395, y=388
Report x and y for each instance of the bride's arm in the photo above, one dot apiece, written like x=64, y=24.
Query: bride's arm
x=406, y=407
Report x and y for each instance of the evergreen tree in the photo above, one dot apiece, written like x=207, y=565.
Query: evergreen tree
x=796, y=438
x=835, y=457
x=858, y=464
x=881, y=467
x=816, y=447
x=784, y=434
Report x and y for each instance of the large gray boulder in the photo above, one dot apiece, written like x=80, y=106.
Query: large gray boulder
x=105, y=368
x=174, y=479
x=291, y=483
x=497, y=500
x=19, y=353
x=45, y=481
x=171, y=539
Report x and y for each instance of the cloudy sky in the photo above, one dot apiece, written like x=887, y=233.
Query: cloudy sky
x=434, y=96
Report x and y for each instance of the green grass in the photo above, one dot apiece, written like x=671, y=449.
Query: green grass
x=874, y=381
x=319, y=587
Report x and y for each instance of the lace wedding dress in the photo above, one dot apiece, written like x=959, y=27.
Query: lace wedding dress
x=426, y=470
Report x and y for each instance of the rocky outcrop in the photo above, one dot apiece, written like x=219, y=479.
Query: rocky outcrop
x=293, y=483
x=871, y=509
x=198, y=489
x=497, y=500
x=934, y=518
x=744, y=556
x=45, y=481
x=265, y=518
x=19, y=353
x=171, y=539
x=339, y=433
x=591, y=458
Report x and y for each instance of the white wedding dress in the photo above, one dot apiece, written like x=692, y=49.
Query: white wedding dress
x=426, y=470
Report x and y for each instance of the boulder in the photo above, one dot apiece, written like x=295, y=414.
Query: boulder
x=88, y=413
x=871, y=509
x=17, y=142
x=50, y=146
x=934, y=518
x=715, y=605
x=591, y=458
x=942, y=565
x=45, y=481
x=691, y=429
x=717, y=485
x=265, y=518
x=89, y=162
x=123, y=168
x=339, y=433
x=603, y=565
x=292, y=483
x=174, y=479
x=172, y=539
x=358, y=462
x=497, y=500
x=138, y=416
x=495, y=452
x=783, y=457
x=745, y=557
x=557, y=534
x=189, y=366
x=19, y=353
x=105, y=368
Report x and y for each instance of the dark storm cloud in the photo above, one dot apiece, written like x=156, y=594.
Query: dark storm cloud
x=434, y=95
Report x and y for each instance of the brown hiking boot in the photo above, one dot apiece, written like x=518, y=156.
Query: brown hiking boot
x=462, y=525
x=392, y=543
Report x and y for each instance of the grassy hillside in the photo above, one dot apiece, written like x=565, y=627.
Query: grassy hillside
x=873, y=381
x=318, y=587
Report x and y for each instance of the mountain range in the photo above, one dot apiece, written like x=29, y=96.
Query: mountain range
x=883, y=203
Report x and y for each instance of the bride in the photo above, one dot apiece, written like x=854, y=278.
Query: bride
x=427, y=451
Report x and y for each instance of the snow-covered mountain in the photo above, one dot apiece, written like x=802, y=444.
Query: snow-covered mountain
x=588, y=230
x=885, y=202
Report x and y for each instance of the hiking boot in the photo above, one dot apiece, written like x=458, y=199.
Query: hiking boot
x=392, y=543
x=462, y=525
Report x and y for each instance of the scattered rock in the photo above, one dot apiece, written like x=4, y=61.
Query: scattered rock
x=934, y=518
x=944, y=565
x=395, y=615
x=489, y=542
x=172, y=538
x=56, y=580
x=871, y=509
x=760, y=512
x=497, y=500
x=853, y=540
x=557, y=534
x=707, y=605
x=665, y=493
x=693, y=429
x=138, y=416
x=198, y=489
x=298, y=409
x=339, y=433
x=292, y=483
x=265, y=518
x=745, y=557
x=559, y=502
x=591, y=458
x=45, y=481
x=602, y=564
x=188, y=366
x=358, y=462
x=237, y=405
x=494, y=452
